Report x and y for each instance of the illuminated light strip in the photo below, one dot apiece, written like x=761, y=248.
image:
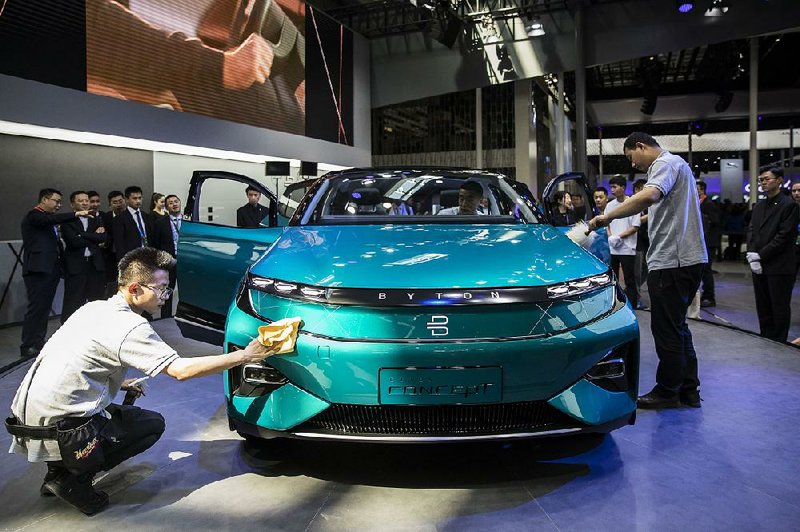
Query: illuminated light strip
x=3, y=7
x=328, y=73
x=115, y=141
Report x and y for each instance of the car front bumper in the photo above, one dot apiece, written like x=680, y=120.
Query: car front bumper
x=333, y=390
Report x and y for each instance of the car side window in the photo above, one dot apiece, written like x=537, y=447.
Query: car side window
x=221, y=198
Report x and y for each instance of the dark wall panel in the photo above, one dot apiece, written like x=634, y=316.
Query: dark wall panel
x=30, y=164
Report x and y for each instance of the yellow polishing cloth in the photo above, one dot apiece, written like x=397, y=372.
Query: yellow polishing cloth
x=280, y=336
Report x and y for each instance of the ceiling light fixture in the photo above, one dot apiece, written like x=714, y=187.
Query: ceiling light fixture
x=717, y=8
x=535, y=28
x=684, y=6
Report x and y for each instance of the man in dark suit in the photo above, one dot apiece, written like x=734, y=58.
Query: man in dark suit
x=770, y=252
x=94, y=202
x=712, y=218
x=41, y=265
x=84, y=267
x=166, y=234
x=132, y=228
x=116, y=206
x=251, y=214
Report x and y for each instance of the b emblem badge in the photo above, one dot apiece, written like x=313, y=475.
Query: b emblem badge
x=438, y=325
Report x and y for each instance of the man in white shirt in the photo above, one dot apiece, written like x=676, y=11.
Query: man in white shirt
x=622, y=240
x=82, y=368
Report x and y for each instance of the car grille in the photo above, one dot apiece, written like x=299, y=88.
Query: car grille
x=439, y=420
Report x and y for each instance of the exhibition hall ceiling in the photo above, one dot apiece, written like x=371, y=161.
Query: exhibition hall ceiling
x=443, y=18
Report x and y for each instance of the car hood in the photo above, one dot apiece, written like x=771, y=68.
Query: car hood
x=426, y=256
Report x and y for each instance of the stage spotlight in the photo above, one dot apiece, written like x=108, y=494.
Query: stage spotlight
x=685, y=6
x=534, y=28
x=717, y=8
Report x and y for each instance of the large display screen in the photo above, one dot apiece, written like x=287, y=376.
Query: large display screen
x=238, y=60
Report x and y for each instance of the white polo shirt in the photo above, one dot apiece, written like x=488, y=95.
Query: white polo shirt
x=82, y=366
x=628, y=246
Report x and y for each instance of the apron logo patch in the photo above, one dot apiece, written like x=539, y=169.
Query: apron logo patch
x=86, y=451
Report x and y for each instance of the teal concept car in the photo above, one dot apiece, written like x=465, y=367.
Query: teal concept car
x=436, y=305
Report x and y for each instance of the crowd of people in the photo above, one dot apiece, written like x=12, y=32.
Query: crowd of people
x=85, y=247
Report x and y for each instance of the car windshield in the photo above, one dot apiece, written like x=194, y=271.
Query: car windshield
x=418, y=197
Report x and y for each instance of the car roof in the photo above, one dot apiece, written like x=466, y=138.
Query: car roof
x=393, y=171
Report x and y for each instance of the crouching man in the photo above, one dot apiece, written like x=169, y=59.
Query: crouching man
x=62, y=411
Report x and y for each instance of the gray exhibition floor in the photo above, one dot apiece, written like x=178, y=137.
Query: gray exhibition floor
x=732, y=465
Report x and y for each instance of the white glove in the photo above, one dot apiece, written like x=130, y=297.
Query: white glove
x=753, y=257
x=756, y=267
x=614, y=241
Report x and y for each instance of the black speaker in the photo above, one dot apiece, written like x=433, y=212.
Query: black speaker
x=308, y=168
x=278, y=168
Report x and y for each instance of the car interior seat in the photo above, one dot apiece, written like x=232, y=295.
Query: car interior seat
x=448, y=198
x=367, y=200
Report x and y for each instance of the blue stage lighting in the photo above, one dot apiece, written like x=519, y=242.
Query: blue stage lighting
x=685, y=7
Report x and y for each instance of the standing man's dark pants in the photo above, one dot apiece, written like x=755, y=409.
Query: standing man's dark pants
x=89, y=285
x=166, y=310
x=773, y=304
x=671, y=290
x=708, y=278
x=628, y=263
x=41, y=289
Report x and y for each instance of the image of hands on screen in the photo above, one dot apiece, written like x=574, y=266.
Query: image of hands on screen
x=239, y=60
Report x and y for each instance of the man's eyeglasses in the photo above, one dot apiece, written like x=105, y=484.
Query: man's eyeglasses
x=161, y=293
x=764, y=179
x=57, y=201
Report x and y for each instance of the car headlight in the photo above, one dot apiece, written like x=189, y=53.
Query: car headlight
x=287, y=289
x=580, y=286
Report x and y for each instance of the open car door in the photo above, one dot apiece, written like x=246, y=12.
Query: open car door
x=583, y=209
x=581, y=199
x=214, y=253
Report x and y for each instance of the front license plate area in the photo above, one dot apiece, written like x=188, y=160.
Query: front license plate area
x=440, y=386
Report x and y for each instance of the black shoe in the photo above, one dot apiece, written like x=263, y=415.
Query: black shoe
x=78, y=491
x=655, y=400
x=708, y=303
x=55, y=470
x=690, y=398
x=28, y=352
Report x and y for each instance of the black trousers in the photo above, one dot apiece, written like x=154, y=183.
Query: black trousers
x=628, y=263
x=708, y=278
x=79, y=288
x=130, y=431
x=166, y=310
x=671, y=291
x=41, y=289
x=773, y=304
